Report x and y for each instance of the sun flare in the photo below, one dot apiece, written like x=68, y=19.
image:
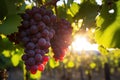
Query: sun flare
x=81, y=43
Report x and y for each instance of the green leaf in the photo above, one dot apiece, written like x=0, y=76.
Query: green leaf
x=61, y=12
x=10, y=24
x=70, y=64
x=36, y=76
x=87, y=12
x=5, y=44
x=108, y=32
x=87, y=9
x=53, y=63
x=3, y=9
x=12, y=6
x=74, y=8
x=69, y=3
x=92, y=65
x=15, y=59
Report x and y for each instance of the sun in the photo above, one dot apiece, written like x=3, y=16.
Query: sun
x=80, y=43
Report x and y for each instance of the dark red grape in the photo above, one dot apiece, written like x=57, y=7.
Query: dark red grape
x=53, y=18
x=47, y=45
x=25, y=24
x=31, y=53
x=38, y=35
x=41, y=67
x=23, y=34
x=45, y=58
x=50, y=35
x=46, y=19
x=24, y=57
x=33, y=29
x=25, y=16
x=25, y=40
x=45, y=33
x=31, y=61
x=42, y=10
x=33, y=69
x=27, y=67
x=41, y=26
x=32, y=22
x=30, y=46
x=38, y=57
x=41, y=42
x=37, y=17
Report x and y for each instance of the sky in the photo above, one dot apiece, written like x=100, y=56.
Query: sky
x=61, y=2
x=78, y=1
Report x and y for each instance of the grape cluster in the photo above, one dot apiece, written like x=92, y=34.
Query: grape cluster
x=61, y=39
x=35, y=33
x=39, y=30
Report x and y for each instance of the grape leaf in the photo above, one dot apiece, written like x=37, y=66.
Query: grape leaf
x=15, y=59
x=87, y=12
x=61, y=10
x=108, y=31
x=3, y=9
x=10, y=24
x=12, y=6
x=69, y=3
x=74, y=8
x=9, y=10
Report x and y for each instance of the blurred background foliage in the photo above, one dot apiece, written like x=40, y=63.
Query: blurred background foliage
x=84, y=16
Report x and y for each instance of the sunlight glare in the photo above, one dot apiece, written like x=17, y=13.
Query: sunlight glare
x=81, y=43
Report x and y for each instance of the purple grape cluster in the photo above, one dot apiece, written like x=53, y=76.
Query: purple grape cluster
x=35, y=33
x=62, y=39
x=39, y=30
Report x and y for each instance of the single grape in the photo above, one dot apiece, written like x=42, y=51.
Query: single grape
x=23, y=34
x=27, y=67
x=30, y=53
x=45, y=33
x=38, y=57
x=37, y=17
x=30, y=46
x=25, y=24
x=41, y=42
x=34, y=39
x=46, y=19
x=47, y=45
x=25, y=40
x=41, y=26
x=24, y=57
x=53, y=18
x=25, y=16
x=33, y=69
x=31, y=61
x=42, y=10
x=45, y=58
x=42, y=52
x=32, y=22
x=37, y=51
x=50, y=35
x=49, y=12
x=33, y=29
x=41, y=67
x=38, y=35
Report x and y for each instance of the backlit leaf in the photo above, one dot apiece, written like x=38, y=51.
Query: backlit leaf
x=15, y=59
x=108, y=31
x=10, y=24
